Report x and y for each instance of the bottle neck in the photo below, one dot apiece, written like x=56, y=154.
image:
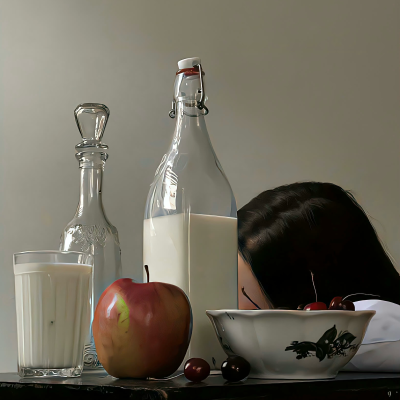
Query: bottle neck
x=190, y=124
x=188, y=91
x=91, y=168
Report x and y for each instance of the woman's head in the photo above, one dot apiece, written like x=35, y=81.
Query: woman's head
x=293, y=230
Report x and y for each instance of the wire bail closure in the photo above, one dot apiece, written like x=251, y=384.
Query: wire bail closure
x=172, y=113
x=200, y=103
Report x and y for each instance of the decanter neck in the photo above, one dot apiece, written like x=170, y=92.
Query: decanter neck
x=91, y=166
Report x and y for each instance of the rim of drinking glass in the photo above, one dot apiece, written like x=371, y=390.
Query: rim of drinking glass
x=52, y=252
x=89, y=257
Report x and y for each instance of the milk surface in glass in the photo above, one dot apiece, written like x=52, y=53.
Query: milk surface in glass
x=53, y=316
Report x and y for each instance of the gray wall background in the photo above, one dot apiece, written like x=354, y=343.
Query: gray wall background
x=298, y=90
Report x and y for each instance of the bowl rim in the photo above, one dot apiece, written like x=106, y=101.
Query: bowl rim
x=250, y=313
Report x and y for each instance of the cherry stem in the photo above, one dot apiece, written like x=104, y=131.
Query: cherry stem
x=146, y=267
x=246, y=295
x=315, y=290
x=355, y=294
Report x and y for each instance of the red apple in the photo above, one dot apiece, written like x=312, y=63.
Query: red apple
x=142, y=329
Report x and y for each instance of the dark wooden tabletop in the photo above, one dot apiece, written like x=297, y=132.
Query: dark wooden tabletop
x=347, y=385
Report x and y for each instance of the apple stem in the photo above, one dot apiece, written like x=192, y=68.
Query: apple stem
x=366, y=294
x=146, y=267
x=246, y=295
x=315, y=290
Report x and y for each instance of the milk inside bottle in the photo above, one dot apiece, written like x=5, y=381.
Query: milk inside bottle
x=190, y=225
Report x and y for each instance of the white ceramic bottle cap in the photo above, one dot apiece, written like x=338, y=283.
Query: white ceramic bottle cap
x=188, y=62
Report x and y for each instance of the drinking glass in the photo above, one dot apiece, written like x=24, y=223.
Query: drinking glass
x=52, y=295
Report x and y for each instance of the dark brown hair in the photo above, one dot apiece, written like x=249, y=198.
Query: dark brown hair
x=288, y=232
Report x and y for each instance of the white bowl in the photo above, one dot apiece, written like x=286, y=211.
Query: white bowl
x=285, y=344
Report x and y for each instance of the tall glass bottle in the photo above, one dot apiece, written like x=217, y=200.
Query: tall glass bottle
x=90, y=230
x=190, y=225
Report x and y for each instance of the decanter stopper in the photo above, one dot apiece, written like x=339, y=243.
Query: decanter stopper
x=91, y=119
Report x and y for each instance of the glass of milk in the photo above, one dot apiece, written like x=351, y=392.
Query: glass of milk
x=52, y=295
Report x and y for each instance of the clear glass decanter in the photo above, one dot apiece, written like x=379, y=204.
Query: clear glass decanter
x=190, y=225
x=90, y=230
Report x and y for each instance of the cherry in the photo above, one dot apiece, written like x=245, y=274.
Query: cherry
x=196, y=369
x=235, y=368
x=318, y=305
x=338, y=303
x=348, y=305
x=335, y=303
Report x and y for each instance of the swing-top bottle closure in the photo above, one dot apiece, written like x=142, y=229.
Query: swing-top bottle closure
x=189, y=67
x=91, y=119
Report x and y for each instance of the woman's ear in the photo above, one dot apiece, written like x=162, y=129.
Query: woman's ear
x=250, y=283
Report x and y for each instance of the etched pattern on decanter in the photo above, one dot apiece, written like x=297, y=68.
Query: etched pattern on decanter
x=88, y=235
x=90, y=360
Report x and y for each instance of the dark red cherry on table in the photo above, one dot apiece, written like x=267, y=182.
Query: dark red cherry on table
x=318, y=305
x=196, y=369
x=235, y=368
